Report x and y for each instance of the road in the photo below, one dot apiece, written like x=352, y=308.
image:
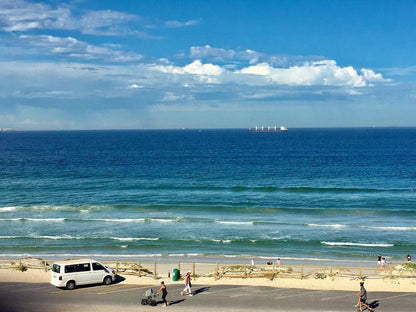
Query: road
x=125, y=297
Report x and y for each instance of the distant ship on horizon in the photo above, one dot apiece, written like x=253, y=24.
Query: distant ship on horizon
x=268, y=129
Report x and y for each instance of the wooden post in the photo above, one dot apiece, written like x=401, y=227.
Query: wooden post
x=301, y=272
x=216, y=271
x=139, y=270
x=45, y=267
x=245, y=271
x=193, y=269
x=390, y=272
x=117, y=267
x=154, y=270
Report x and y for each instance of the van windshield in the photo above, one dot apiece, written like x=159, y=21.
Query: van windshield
x=56, y=268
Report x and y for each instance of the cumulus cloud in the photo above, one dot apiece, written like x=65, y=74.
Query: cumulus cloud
x=78, y=49
x=315, y=73
x=325, y=73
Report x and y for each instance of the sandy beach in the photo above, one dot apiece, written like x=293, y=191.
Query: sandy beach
x=375, y=281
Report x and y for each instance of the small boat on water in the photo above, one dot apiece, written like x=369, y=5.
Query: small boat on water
x=268, y=129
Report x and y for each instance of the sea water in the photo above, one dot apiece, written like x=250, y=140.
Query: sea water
x=304, y=194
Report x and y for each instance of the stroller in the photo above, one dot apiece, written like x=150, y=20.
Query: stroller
x=150, y=298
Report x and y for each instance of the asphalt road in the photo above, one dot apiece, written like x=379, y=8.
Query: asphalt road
x=122, y=297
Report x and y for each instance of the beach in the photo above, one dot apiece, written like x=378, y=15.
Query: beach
x=376, y=280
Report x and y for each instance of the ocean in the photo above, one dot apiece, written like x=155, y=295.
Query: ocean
x=341, y=195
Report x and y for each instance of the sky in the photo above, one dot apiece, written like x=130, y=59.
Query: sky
x=167, y=64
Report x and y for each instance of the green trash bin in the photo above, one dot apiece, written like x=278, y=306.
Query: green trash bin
x=176, y=275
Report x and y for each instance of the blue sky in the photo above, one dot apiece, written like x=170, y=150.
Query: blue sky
x=206, y=64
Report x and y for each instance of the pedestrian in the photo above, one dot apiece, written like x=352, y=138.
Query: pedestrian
x=409, y=258
x=383, y=262
x=164, y=292
x=252, y=261
x=278, y=262
x=187, y=289
x=362, y=298
x=379, y=261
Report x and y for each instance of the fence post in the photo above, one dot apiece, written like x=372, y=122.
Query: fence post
x=390, y=272
x=193, y=269
x=139, y=268
x=154, y=270
x=117, y=267
x=301, y=272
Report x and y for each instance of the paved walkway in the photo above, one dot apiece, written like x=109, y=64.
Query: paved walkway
x=122, y=297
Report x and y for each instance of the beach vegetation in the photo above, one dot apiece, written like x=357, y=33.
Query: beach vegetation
x=22, y=267
x=409, y=265
x=320, y=276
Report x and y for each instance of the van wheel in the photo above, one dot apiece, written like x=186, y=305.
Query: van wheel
x=70, y=285
x=107, y=280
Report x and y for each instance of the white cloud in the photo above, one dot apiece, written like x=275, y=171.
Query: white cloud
x=170, y=97
x=177, y=24
x=324, y=73
x=22, y=15
x=134, y=86
x=79, y=49
x=205, y=73
x=315, y=73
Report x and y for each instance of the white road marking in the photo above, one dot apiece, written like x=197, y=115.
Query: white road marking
x=301, y=294
x=343, y=296
x=121, y=289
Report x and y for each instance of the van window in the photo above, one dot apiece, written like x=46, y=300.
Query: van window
x=56, y=268
x=72, y=268
x=97, y=267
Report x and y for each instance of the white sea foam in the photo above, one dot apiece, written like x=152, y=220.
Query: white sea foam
x=176, y=255
x=8, y=209
x=130, y=239
x=34, y=219
x=57, y=237
x=44, y=220
x=119, y=220
x=235, y=222
x=357, y=244
x=162, y=220
x=394, y=228
x=328, y=225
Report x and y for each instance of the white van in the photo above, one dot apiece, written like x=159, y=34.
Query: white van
x=71, y=273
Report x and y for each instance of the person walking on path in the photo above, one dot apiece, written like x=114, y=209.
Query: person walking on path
x=187, y=289
x=164, y=292
x=362, y=298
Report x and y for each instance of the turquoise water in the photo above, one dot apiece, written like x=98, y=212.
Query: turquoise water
x=332, y=194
